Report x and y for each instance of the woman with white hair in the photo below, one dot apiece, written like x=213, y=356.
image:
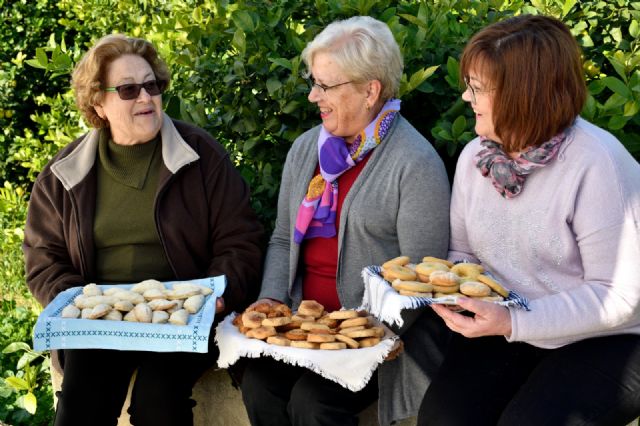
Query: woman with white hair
x=361, y=188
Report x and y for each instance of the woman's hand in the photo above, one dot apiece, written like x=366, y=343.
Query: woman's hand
x=269, y=302
x=219, y=305
x=489, y=319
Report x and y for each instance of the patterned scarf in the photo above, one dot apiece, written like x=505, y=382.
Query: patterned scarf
x=508, y=174
x=317, y=213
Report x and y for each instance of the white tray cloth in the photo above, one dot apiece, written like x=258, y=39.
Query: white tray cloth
x=54, y=332
x=350, y=368
x=386, y=304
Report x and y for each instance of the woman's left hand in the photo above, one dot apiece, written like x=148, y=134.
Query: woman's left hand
x=489, y=319
x=219, y=305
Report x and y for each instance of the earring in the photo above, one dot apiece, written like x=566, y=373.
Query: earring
x=367, y=106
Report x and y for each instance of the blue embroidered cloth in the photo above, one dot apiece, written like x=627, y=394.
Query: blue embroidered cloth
x=54, y=332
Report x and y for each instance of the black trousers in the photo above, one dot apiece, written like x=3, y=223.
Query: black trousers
x=489, y=381
x=95, y=386
x=280, y=394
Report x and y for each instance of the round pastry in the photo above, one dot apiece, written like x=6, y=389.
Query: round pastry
x=311, y=308
x=442, y=294
x=320, y=337
x=282, y=309
x=313, y=326
x=424, y=269
x=353, y=344
x=442, y=278
x=261, y=332
x=304, y=344
x=368, y=342
x=475, y=289
x=468, y=270
x=367, y=332
x=253, y=319
x=350, y=329
x=278, y=340
x=345, y=314
x=328, y=321
x=379, y=331
x=400, y=260
x=437, y=260
x=333, y=346
x=394, y=271
x=412, y=286
x=296, y=334
x=414, y=293
x=495, y=298
x=276, y=321
x=354, y=322
x=447, y=289
x=495, y=286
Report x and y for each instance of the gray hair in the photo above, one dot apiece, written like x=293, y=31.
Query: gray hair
x=364, y=49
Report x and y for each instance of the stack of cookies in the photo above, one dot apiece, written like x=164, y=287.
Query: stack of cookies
x=435, y=277
x=311, y=327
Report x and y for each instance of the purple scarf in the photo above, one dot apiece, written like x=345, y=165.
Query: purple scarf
x=507, y=174
x=317, y=213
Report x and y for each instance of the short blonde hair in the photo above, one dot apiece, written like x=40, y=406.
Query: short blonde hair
x=89, y=75
x=364, y=49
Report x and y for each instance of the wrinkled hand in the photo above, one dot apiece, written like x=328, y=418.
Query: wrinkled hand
x=490, y=319
x=219, y=305
x=269, y=302
x=396, y=350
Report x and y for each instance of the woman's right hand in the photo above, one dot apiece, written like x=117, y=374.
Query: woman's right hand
x=269, y=302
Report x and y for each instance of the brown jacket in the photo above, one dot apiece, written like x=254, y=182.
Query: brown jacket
x=202, y=214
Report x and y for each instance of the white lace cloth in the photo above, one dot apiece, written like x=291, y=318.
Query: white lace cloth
x=350, y=368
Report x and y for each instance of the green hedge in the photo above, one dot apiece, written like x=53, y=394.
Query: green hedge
x=236, y=72
x=236, y=69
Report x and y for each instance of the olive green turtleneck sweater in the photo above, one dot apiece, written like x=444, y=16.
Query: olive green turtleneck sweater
x=128, y=247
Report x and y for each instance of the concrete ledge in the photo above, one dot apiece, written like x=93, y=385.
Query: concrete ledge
x=219, y=403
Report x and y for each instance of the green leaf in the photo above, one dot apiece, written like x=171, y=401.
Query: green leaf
x=17, y=383
x=41, y=57
x=239, y=41
x=243, y=20
x=453, y=72
x=458, y=126
x=634, y=29
x=618, y=66
x=614, y=101
x=26, y=358
x=617, y=122
x=617, y=86
x=290, y=107
x=568, y=4
x=631, y=108
x=285, y=63
x=30, y=403
x=273, y=84
x=15, y=347
x=413, y=20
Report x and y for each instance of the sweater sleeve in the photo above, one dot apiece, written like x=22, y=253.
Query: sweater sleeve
x=459, y=247
x=48, y=266
x=275, y=282
x=606, y=209
x=235, y=235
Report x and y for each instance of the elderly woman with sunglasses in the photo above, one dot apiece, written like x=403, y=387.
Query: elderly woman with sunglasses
x=361, y=188
x=549, y=204
x=141, y=196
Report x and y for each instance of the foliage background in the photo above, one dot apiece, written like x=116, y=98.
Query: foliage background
x=236, y=73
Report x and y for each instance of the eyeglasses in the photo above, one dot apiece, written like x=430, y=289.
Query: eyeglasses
x=132, y=90
x=474, y=91
x=323, y=87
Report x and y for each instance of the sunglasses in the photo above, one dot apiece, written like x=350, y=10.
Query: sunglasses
x=132, y=90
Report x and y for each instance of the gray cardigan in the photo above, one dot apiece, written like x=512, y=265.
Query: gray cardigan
x=398, y=205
